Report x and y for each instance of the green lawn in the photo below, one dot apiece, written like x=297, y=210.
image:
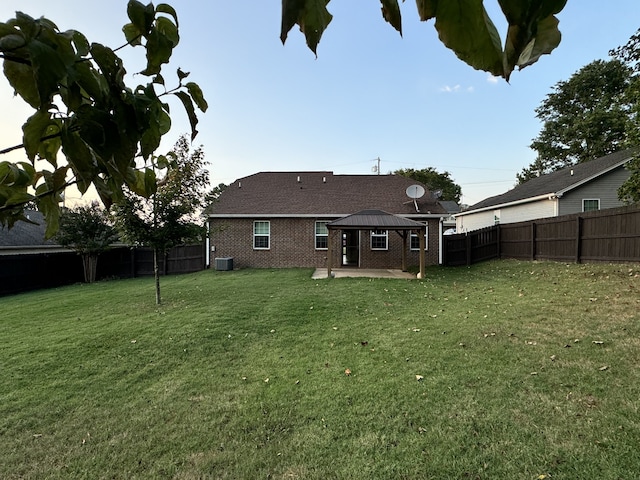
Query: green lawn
x=505, y=370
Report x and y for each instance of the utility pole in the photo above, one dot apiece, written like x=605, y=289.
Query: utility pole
x=376, y=168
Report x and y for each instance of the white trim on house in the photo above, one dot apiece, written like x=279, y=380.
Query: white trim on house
x=546, y=196
x=314, y=215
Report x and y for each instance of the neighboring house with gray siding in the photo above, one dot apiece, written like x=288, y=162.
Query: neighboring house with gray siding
x=583, y=187
x=278, y=219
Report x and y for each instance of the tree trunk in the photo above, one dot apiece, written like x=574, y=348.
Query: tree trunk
x=90, y=265
x=156, y=274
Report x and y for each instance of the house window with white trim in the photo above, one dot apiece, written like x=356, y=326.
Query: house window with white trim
x=322, y=235
x=379, y=239
x=261, y=234
x=590, y=204
x=414, y=240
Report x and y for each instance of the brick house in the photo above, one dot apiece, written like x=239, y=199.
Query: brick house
x=279, y=219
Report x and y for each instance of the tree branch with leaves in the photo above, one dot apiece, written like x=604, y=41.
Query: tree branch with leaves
x=463, y=26
x=106, y=130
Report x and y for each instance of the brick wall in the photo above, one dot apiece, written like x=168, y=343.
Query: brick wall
x=292, y=244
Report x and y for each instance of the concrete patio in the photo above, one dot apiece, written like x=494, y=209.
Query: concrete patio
x=362, y=272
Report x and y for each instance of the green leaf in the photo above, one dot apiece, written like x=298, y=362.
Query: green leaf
x=33, y=131
x=291, y=12
x=141, y=16
x=11, y=42
x=391, y=13
x=132, y=34
x=49, y=72
x=169, y=10
x=464, y=27
x=533, y=30
x=81, y=159
x=311, y=15
x=191, y=112
x=427, y=9
x=21, y=78
x=168, y=29
x=81, y=43
x=197, y=96
x=159, y=50
x=182, y=75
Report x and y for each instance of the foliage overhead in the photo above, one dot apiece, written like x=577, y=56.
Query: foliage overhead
x=434, y=181
x=464, y=26
x=106, y=130
x=87, y=230
x=584, y=118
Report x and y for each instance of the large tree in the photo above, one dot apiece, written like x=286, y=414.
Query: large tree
x=171, y=216
x=464, y=26
x=106, y=129
x=435, y=182
x=630, y=54
x=584, y=118
x=87, y=230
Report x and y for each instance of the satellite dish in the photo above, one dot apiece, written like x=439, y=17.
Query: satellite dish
x=415, y=191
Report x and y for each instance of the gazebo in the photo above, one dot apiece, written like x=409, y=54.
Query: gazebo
x=379, y=220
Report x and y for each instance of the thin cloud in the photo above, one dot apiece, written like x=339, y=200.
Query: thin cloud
x=456, y=89
x=492, y=79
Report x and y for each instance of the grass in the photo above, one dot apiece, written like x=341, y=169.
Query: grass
x=503, y=370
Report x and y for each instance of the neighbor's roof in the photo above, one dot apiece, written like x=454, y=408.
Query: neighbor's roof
x=320, y=194
x=370, y=219
x=25, y=234
x=559, y=182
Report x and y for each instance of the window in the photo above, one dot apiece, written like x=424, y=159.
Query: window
x=261, y=235
x=414, y=240
x=590, y=204
x=379, y=239
x=322, y=235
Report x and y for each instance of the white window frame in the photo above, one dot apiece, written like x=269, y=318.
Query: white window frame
x=413, y=235
x=262, y=235
x=317, y=235
x=590, y=200
x=379, y=234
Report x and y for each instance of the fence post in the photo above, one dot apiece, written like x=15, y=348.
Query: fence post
x=499, y=239
x=468, y=245
x=578, y=238
x=533, y=240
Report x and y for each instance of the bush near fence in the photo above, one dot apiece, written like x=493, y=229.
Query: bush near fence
x=611, y=235
x=20, y=273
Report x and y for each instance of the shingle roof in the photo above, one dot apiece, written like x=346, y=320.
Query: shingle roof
x=320, y=193
x=24, y=234
x=560, y=181
x=367, y=219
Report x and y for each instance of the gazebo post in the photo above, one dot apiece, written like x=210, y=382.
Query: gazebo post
x=329, y=254
x=422, y=245
x=404, y=250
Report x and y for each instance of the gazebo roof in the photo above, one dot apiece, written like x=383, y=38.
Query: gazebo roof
x=374, y=219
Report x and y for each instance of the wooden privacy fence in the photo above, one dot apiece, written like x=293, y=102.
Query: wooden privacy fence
x=20, y=273
x=611, y=235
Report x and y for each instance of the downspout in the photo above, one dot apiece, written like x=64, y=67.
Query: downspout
x=440, y=236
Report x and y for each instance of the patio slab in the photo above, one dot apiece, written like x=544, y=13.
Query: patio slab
x=362, y=272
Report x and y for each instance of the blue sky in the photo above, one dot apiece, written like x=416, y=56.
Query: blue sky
x=369, y=94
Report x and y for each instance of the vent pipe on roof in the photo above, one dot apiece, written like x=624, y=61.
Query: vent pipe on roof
x=572, y=172
x=298, y=178
x=239, y=184
x=324, y=179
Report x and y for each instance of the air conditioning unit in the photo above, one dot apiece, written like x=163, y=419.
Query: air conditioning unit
x=224, y=263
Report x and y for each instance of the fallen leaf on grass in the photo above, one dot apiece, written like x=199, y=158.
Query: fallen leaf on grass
x=266, y=380
x=347, y=372
x=419, y=377
x=603, y=368
x=598, y=342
